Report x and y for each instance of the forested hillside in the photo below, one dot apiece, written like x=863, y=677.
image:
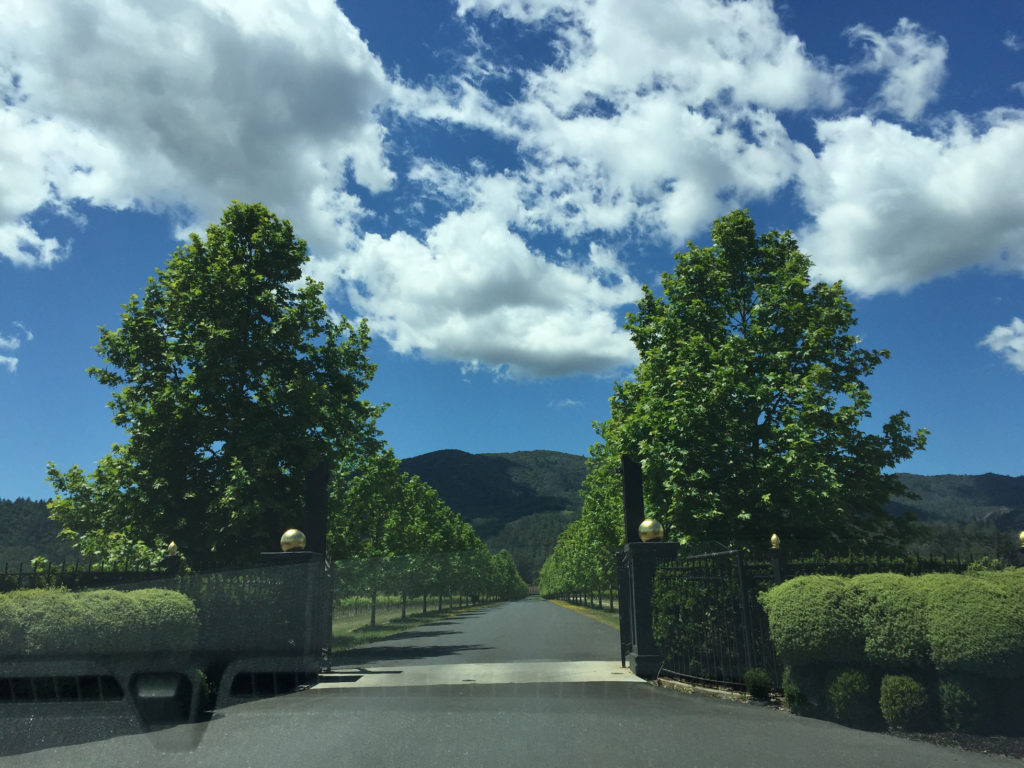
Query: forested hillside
x=490, y=490
x=997, y=499
x=516, y=501
x=29, y=532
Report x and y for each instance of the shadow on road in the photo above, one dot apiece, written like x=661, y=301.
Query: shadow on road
x=414, y=633
x=358, y=656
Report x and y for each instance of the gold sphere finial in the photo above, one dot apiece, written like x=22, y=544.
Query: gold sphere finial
x=651, y=530
x=293, y=539
x=776, y=541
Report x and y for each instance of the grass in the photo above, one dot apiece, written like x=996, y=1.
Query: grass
x=603, y=615
x=352, y=628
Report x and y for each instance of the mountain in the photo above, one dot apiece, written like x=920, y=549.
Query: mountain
x=993, y=499
x=490, y=490
x=516, y=501
x=28, y=532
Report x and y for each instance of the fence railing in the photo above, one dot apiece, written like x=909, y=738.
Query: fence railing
x=709, y=624
x=281, y=607
x=74, y=576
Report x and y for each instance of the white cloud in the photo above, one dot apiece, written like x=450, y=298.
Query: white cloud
x=648, y=120
x=12, y=343
x=658, y=117
x=182, y=107
x=1008, y=340
x=473, y=291
x=1013, y=42
x=892, y=209
x=914, y=64
x=29, y=336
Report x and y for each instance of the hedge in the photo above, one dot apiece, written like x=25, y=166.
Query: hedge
x=893, y=613
x=976, y=623
x=811, y=620
x=941, y=643
x=56, y=623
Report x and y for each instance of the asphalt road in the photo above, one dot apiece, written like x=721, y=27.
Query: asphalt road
x=522, y=684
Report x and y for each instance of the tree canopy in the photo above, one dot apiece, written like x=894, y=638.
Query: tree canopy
x=746, y=407
x=236, y=387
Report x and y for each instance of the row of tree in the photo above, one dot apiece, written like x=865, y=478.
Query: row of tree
x=745, y=413
x=241, y=396
x=392, y=534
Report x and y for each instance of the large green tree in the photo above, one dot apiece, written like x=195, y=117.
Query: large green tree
x=238, y=391
x=746, y=408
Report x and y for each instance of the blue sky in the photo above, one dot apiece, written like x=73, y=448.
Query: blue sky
x=491, y=181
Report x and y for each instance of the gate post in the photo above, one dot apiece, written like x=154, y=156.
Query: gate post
x=642, y=560
x=638, y=561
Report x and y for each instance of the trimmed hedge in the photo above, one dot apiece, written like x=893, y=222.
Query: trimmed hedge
x=51, y=623
x=893, y=614
x=975, y=623
x=811, y=620
x=941, y=643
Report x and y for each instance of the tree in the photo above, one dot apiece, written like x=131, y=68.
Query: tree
x=238, y=391
x=746, y=406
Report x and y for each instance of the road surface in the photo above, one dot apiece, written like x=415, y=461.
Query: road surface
x=521, y=684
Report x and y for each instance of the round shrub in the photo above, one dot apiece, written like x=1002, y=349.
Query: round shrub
x=893, y=617
x=975, y=623
x=850, y=698
x=803, y=688
x=904, y=703
x=965, y=703
x=813, y=619
x=758, y=683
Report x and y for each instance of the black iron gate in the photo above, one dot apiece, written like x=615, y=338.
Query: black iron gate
x=707, y=621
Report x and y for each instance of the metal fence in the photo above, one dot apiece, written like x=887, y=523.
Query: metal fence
x=707, y=620
x=279, y=608
x=709, y=624
x=76, y=576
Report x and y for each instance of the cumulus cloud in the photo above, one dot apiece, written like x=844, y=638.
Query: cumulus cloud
x=1013, y=42
x=1008, y=341
x=645, y=122
x=472, y=290
x=892, y=209
x=652, y=117
x=913, y=64
x=182, y=107
x=658, y=116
